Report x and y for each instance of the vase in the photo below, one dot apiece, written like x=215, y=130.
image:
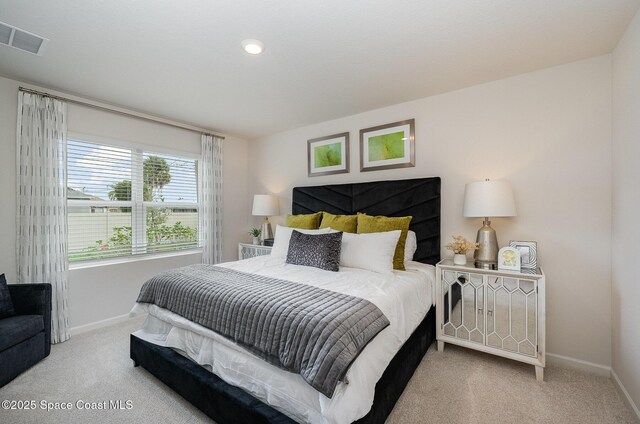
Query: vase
x=256, y=240
x=460, y=259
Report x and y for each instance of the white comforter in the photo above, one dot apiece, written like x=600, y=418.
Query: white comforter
x=404, y=297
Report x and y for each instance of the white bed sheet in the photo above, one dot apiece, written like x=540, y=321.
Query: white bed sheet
x=404, y=297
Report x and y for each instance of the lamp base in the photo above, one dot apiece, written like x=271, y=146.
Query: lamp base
x=485, y=265
x=267, y=232
x=486, y=255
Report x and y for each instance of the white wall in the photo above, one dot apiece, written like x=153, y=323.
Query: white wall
x=549, y=133
x=626, y=208
x=107, y=291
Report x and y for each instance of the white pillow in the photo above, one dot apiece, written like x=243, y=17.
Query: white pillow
x=372, y=251
x=410, y=246
x=283, y=235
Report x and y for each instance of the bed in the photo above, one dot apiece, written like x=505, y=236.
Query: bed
x=231, y=385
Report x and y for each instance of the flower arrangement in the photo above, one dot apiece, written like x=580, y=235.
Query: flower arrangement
x=461, y=245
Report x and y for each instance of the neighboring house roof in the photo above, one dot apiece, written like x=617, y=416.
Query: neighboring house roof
x=79, y=195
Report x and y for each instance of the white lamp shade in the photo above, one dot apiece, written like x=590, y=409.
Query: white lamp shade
x=488, y=199
x=265, y=205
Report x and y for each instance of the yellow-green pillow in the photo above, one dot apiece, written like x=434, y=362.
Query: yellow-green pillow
x=346, y=223
x=305, y=222
x=379, y=224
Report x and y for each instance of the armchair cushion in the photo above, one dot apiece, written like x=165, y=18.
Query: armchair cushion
x=34, y=299
x=16, y=329
x=6, y=305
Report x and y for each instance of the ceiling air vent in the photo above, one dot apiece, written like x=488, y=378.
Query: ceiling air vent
x=20, y=39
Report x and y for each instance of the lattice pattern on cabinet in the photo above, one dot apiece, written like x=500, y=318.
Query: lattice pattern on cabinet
x=464, y=318
x=246, y=251
x=511, y=314
x=511, y=320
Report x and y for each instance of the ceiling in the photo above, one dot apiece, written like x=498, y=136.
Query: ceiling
x=323, y=59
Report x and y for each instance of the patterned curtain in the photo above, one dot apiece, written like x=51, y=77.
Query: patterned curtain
x=42, y=201
x=210, y=199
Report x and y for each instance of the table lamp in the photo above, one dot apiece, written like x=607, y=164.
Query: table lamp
x=265, y=205
x=484, y=199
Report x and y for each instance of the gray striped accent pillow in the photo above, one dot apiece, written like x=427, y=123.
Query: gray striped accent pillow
x=316, y=250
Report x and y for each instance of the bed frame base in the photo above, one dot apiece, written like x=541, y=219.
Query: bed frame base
x=226, y=403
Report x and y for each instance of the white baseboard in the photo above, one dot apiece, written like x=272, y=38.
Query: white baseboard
x=98, y=324
x=596, y=369
x=625, y=395
x=579, y=364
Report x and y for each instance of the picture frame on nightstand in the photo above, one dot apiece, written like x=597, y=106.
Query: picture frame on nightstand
x=528, y=253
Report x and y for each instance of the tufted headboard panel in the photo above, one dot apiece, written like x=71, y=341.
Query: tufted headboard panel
x=418, y=197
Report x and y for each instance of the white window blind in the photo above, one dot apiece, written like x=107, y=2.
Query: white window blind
x=125, y=202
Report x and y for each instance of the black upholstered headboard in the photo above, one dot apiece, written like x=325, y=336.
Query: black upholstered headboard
x=418, y=197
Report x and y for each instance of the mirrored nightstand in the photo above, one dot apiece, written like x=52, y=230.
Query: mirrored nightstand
x=247, y=250
x=494, y=311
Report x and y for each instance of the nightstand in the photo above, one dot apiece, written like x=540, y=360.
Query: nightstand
x=494, y=311
x=247, y=250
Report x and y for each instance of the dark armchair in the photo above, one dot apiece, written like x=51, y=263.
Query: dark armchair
x=25, y=338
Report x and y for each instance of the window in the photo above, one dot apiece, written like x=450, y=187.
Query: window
x=124, y=202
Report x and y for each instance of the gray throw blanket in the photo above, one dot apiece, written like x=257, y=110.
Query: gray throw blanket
x=314, y=332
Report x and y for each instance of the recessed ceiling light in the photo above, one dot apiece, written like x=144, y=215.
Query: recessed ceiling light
x=253, y=46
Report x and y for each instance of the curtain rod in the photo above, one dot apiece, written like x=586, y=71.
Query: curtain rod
x=123, y=113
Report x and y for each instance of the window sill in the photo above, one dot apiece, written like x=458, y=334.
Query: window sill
x=129, y=259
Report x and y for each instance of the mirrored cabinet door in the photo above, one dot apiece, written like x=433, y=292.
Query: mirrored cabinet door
x=512, y=314
x=463, y=306
x=246, y=251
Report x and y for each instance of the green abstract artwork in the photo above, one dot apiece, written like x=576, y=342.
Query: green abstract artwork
x=387, y=146
x=327, y=155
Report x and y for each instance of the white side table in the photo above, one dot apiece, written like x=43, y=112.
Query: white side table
x=247, y=250
x=493, y=311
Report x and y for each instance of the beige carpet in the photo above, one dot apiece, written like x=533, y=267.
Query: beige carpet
x=456, y=386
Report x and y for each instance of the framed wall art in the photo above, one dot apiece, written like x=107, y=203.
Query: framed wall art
x=328, y=155
x=528, y=253
x=388, y=146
